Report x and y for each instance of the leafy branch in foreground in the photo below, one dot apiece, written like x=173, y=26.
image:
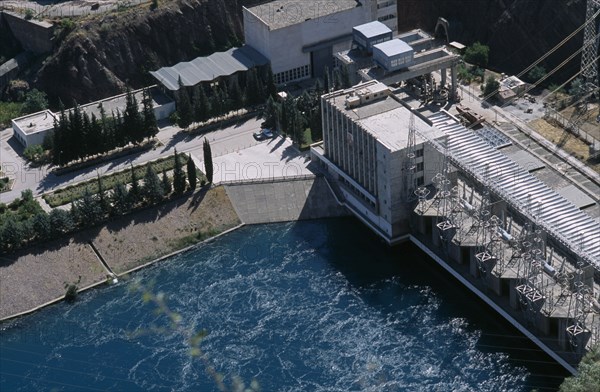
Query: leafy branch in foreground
x=177, y=325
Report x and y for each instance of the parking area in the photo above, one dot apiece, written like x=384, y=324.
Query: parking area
x=268, y=159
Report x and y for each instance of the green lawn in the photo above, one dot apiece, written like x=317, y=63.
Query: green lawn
x=307, y=140
x=8, y=111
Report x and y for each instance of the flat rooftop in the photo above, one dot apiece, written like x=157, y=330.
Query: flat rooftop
x=283, y=13
x=394, y=47
x=387, y=120
x=36, y=122
x=118, y=102
x=372, y=29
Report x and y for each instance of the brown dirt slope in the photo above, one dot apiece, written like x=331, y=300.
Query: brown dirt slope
x=153, y=233
x=38, y=275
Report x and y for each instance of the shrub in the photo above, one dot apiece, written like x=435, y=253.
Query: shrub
x=33, y=153
x=477, y=54
x=28, y=14
x=491, y=86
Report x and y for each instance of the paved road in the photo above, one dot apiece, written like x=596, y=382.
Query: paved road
x=50, y=8
x=40, y=180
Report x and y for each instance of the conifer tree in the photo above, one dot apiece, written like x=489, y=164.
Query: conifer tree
x=135, y=192
x=178, y=176
x=61, y=222
x=120, y=200
x=102, y=197
x=208, y=164
x=152, y=190
x=253, y=93
x=166, y=183
x=88, y=209
x=149, y=119
x=133, y=123
x=184, y=107
x=236, y=94
x=42, y=226
x=191, y=173
x=270, y=83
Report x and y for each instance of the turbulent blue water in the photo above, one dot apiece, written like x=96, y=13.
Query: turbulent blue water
x=311, y=306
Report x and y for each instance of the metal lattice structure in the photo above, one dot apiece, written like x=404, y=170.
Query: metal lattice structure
x=409, y=164
x=591, y=40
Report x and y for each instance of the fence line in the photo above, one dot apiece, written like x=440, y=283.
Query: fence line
x=269, y=179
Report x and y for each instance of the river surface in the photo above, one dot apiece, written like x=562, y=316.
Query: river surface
x=308, y=306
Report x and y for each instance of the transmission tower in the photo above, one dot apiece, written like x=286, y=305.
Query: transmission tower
x=591, y=39
x=409, y=164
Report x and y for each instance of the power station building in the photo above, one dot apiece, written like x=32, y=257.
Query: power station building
x=365, y=140
x=299, y=38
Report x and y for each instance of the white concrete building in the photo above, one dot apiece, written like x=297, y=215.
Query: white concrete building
x=300, y=37
x=364, y=149
x=32, y=128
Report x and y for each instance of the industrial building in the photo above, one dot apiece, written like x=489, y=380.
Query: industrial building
x=31, y=129
x=369, y=34
x=365, y=138
x=299, y=38
x=407, y=56
x=526, y=249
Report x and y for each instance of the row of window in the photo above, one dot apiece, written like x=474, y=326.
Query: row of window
x=399, y=61
x=386, y=17
x=292, y=74
x=386, y=4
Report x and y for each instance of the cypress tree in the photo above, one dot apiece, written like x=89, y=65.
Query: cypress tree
x=166, y=183
x=88, y=209
x=135, y=191
x=253, y=94
x=152, y=190
x=196, y=106
x=208, y=164
x=149, y=119
x=61, y=222
x=102, y=198
x=120, y=200
x=86, y=129
x=60, y=132
x=191, y=173
x=184, y=107
x=178, y=176
x=237, y=96
x=270, y=83
x=132, y=119
x=42, y=226
x=205, y=108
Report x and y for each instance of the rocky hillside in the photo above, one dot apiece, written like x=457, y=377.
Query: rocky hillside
x=517, y=31
x=103, y=55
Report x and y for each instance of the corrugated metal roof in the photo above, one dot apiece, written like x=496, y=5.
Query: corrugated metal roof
x=559, y=217
x=372, y=29
x=206, y=69
x=393, y=47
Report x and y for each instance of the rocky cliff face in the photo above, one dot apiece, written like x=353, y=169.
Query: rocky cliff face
x=106, y=54
x=517, y=31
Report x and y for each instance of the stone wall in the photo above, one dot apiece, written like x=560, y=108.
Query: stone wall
x=34, y=36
